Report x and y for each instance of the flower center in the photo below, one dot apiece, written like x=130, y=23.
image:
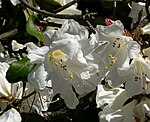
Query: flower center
x=117, y=45
x=140, y=74
x=59, y=59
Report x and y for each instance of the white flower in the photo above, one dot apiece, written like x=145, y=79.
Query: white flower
x=11, y=115
x=8, y=90
x=118, y=50
x=107, y=96
x=133, y=110
x=145, y=29
x=38, y=81
x=137, y=76
x=68, y=64
x=124, y=114
x=9, y=94
x=15, y=2
x=72, y=10
x=135, y=9
x=112, y=103
x=16, y=46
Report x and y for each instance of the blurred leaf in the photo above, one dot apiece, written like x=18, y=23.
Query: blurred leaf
x=20, y=19
x=32, y=117
x=34, y=28
x=48, y=5
x=19, y=70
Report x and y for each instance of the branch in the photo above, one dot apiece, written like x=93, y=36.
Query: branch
x=51, y=24
x=62, y=16
x=8, y=34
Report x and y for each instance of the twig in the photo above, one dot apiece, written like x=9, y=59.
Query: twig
x=26, y=97
x=62, y=16
x=65, y=6
x=90, y=26
x=51, y=24
x=8, y=34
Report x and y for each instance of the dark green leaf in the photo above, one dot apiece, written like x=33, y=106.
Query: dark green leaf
x=19, y=70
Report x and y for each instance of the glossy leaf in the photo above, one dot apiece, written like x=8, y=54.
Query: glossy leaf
x=34, y=28
x=19, y=70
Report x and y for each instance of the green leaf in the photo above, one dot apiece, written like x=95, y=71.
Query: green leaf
x=34, y=28
x=19, y=70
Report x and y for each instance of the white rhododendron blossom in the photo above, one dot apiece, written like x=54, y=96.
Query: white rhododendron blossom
x=9, y=90
x=106, y=97
x=136, y=7
x=68, y=64
x=118, y=51
x=12, y=115
x=137, y=75
x=15, y=2
x=75, y=63
x=132, y=110
x=9, y=93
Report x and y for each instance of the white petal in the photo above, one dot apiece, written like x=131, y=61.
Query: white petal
x=15, y=2
x=11, y=115
x=16, y=46
x=37, y=55
x=5, y=86
x=37, y=78
x=70, y=98
x=67, y=45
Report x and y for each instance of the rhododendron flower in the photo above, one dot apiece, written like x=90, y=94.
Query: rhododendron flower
x=9, y=93
x=135, y=110
x=68, y=63
x=8, y=90
x=135, y=9
x=137, y=76
x=118, y=51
